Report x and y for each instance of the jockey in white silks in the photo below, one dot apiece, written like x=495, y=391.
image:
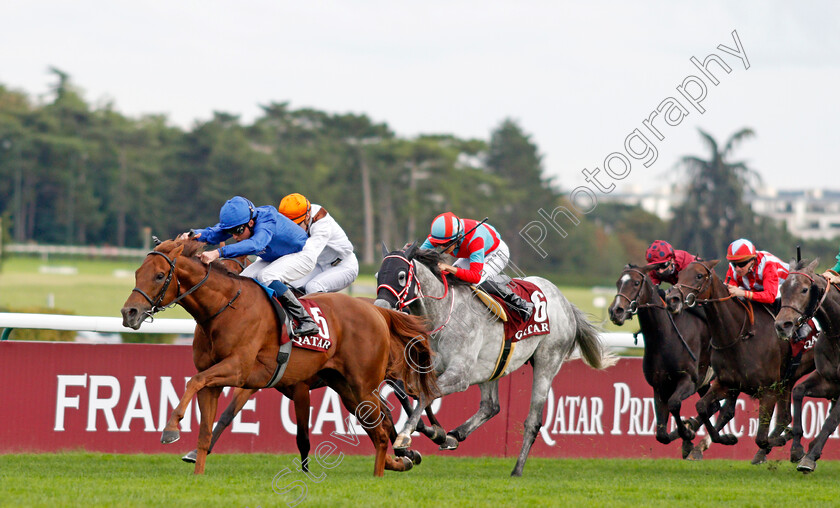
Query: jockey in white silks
x=326, y=263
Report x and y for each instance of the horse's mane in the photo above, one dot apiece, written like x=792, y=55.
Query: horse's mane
x=192, y=249
x=430, y=258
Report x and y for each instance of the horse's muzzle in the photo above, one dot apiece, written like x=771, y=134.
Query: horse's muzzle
x=784, y=328
x=380, y=302
x=132, y=317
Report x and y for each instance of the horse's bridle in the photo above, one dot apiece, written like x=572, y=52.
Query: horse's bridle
x=634, y=306
x=690, y=299
x=804, y=316
x=402, y=303
x=156, y=303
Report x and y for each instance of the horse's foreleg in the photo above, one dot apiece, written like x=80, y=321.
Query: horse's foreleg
x=704, y=412
x=684, y=390
x=208, y=400
x=435, y=432
x=778, y=437
x=487, y=409
x=809, y=461
x=766, y=406
x=813, y=386
x=225, y=373
x=240, y=398
x=662, y=417
x=454, y=379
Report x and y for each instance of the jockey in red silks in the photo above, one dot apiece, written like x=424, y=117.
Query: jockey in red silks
x=660, y=251
x=481, y=253
x=754, y=274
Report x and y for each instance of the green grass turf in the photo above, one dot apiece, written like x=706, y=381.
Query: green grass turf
x=83, y=479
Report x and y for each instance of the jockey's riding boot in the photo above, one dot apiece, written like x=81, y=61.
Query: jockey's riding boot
x=305, y=324
x=514, y=301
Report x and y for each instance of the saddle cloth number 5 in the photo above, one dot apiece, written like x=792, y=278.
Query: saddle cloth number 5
x=323, y=328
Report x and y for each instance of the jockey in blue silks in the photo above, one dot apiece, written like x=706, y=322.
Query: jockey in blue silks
x=265, y=233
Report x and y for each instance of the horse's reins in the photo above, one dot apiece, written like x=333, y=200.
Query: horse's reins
x=635, y=306
x=691, y=302
x=156, y=303
x=411, y=277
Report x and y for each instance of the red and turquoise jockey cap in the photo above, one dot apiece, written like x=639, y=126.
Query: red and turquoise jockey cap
x=445, y=228
x=235, y=212
x=740, y=250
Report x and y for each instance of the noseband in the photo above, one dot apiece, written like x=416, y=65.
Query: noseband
x=691, y=298
x=156, y=303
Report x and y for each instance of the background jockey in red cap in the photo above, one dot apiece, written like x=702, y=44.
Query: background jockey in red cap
x=481, y=253
x=660, y=251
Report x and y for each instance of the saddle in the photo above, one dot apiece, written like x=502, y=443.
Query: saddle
x=494, y=305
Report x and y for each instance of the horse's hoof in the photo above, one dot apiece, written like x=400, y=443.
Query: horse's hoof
x=693, y=423
x=696, y=454
x=450, y=444
x=807, y=465
x=170, y=436
x=687, y=447
x=439, y=437
x=416, y=458
x=728, y=439
x=759, y=458
x=796, y=453
x=402, y=442
x=190, y=457
x=407, y=464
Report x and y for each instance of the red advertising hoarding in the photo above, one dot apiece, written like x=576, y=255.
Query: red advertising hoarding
x=117, y=398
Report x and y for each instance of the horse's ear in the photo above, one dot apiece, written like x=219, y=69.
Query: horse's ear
x=411, y=250
x=713, y=263
x=384, y=250
x=174, y=253
x=156, y=240
x=812, y=266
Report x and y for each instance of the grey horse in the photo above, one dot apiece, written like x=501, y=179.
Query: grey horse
x=467, y=339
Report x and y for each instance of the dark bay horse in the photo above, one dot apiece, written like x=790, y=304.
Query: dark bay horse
x=747, y=356
x=237, y=336
x=677, y=353
x=806, y=294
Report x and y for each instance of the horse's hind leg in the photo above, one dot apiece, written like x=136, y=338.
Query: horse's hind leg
x=208, y=400
x=487, y=409
x=809, y=462
x=544, y=372
x=240, y=398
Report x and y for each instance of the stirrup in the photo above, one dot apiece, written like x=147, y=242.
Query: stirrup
x=306, y=329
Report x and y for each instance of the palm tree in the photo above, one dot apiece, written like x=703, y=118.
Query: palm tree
x=714, y=212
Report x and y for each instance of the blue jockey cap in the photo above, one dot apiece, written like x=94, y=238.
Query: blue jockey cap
x=235, y=212
x=445, y=228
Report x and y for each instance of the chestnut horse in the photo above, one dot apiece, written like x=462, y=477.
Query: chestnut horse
x=237, y=338
x=806, y=294
x=676, y=359
x=746, y=355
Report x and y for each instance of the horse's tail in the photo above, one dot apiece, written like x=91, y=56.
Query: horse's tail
x=411, y=358
x=588, y=341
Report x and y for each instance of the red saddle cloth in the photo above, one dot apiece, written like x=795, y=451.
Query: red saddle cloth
x=516, y=328
x=320, y=342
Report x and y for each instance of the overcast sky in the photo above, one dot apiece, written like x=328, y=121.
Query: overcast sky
x=577, y=77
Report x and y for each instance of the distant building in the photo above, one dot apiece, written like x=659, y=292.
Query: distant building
x=808, y=214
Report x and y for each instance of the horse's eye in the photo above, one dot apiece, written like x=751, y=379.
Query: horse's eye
x=698, y=276
x=401, y=278
x=160, y=276
x=635, y=283
x=804, y=290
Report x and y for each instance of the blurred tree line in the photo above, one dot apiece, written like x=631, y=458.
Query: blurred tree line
x=76, y=173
